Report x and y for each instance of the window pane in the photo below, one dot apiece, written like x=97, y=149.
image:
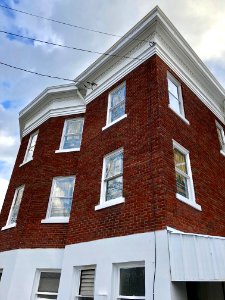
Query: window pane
x=118, y=112
x=132, y=282
x=72, y=141
x=63, y=187
x=221, y=136
x=33, y=140
x=118, y=96
x=173, y=89
x=180, y=161
x=182, y=186
x=114, y=188
x=114, y=165
x=74, y=126
x=0, y=275
x=61, y=207
x=49, y=282
x=87, y=280
x=175, y=103
x=16, y=206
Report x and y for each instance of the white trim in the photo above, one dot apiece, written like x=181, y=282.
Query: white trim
x=28, y=148
x=61, y=149
x=8, y=224
x=55, y=220
x=191, y=192
x=179, y=115
x=222, y=142
x=116, y=278
x=67, y=150
x=110, y=203
x=48, y=217
x=222, y=152
x=24, y=163
x=103, y=203
x=37, y=277
x=114, y=122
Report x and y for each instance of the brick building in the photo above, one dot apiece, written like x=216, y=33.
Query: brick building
x=119, y=184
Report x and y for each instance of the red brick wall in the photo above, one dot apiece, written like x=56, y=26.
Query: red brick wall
x=149, y=177
x=37, y=176
x=208, y=165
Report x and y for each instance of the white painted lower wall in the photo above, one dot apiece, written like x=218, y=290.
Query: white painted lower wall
x=20, y=267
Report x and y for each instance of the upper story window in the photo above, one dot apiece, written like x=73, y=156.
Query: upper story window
x=131, y=281
x=184, y=181
x=11, y=222
x=87, y=284
x=112, y=179
x=47, y=284
x=116, y=105
x=1, y=274
x=72, y=135
x=60, y=199
x=221, y=137
x=175, y=97
x=30, y=147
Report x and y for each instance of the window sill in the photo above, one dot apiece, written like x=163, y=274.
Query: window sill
x=222, y=152
x=67, y=150
x=189, y=202
x=110, y=203
x=55, y=220
x=25, y=162
x=180, y=116
x=114, y=122
x=8, y=226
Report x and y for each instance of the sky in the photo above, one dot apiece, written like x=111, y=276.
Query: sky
x=202, y=24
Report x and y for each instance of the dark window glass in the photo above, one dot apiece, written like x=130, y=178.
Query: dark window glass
x=132, y=281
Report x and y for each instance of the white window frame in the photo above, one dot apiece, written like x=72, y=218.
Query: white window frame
x=8, y=223
x=222, y=142
x=116, y=279
x=77, y=276
x=35, y=292
x=108, y=118
x=190, y=185
x=25, y=161
x=180, y=97
x=61, y=149
x=48, y=218
x=103, y=203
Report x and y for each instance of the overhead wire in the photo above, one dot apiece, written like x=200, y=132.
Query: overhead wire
x=67, y=47
x=46, y=75
x=64, y=23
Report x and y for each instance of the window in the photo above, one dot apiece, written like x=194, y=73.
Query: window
x=175, y=97
x=112, y=179
x=131, y=281
x=221, y=137
x=30, y=147
x=87, y=283
x=15, y=207
x=1, y=274
x=61, y=197
x=72, y=134
x=184, y=182
x=116, y=104
x=47, y=284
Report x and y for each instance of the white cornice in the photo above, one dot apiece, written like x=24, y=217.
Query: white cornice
x=52, y=102
x=171, y=47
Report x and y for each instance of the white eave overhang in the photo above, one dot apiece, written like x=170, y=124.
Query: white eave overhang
x=52, y=102
x=195, y=257
x=170, y=46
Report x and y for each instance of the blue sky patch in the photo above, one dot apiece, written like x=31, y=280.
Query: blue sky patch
x=6, y=84
x=19, y=31
x=9, y=13
x=6, y=104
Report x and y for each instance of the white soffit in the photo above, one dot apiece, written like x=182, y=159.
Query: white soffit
x=52, y=102
x=196, y=257
x=170, y=46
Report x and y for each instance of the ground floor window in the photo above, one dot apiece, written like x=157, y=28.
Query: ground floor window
x=47, y=284
x=130, y=281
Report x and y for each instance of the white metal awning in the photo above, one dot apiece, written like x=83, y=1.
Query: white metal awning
x=196, y=257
